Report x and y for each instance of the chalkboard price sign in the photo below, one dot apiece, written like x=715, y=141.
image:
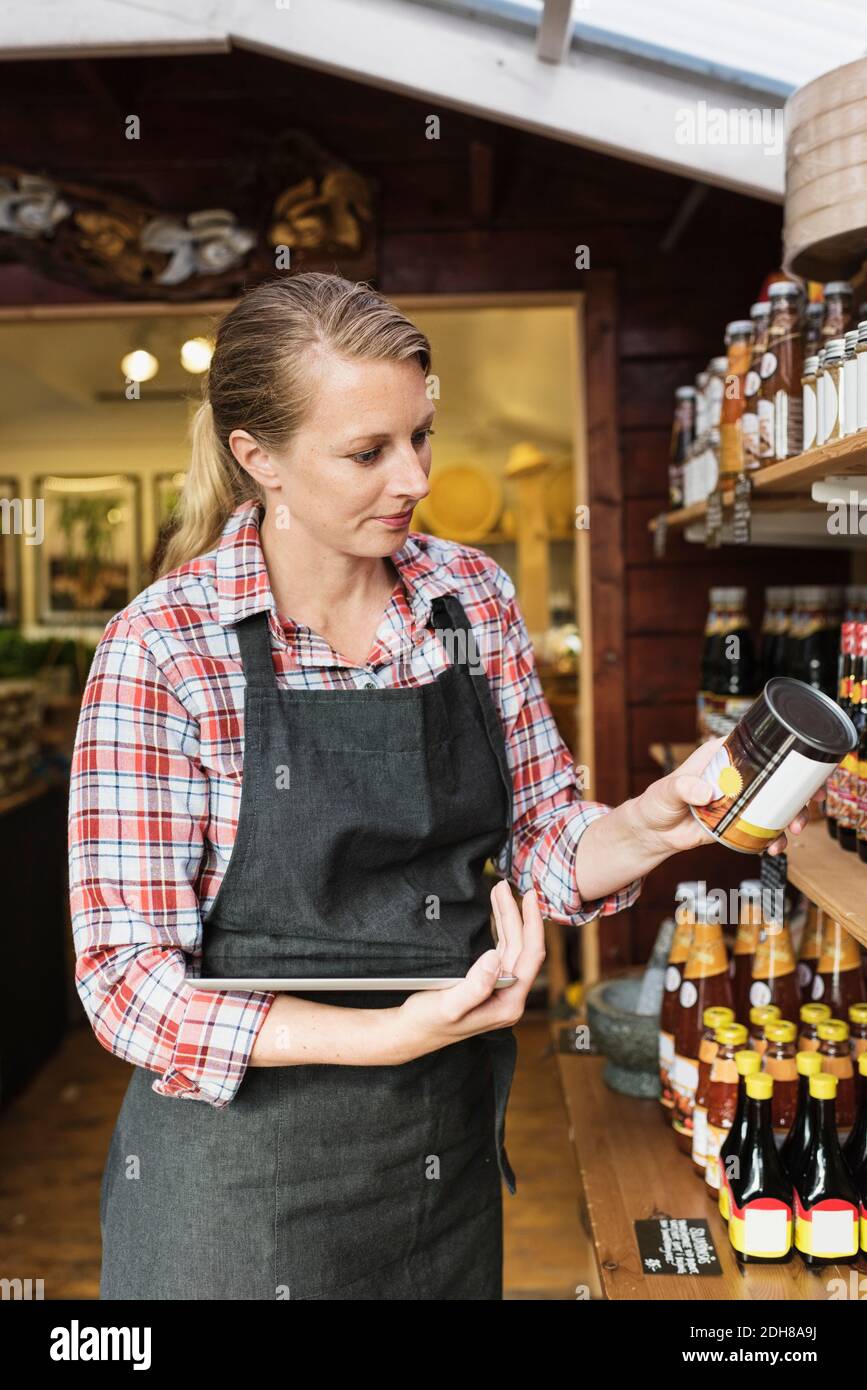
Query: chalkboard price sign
x=676, y=1245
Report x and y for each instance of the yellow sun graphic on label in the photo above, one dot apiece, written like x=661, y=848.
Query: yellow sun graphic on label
x=730, y=781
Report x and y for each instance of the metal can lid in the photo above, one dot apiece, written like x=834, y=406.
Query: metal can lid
x=837, y=287
x=810, y=715
x=784, y=288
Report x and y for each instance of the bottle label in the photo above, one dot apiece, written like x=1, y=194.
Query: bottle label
x=699, y=1135
x=808, y=408
x=685, y=1075
x=688, y=994
x=749, y=820
x=765, y=412
x=831, y=407
x=829, y=1228
x=762, y=1226
x=768, y=365
x=707, y=957
x=750, y=433
x=714, y=1141
x=788, y=424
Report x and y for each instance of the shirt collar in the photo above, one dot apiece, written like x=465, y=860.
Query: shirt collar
x=243, y=587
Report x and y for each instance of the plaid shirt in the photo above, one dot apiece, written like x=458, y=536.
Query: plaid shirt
x=156, y=783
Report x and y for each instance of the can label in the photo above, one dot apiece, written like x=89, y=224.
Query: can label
x=751, y=805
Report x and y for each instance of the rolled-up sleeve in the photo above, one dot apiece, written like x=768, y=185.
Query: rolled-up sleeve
x=138, y=815
x=549, y=814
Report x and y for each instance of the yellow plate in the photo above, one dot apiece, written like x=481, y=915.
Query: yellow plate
x=464, y=504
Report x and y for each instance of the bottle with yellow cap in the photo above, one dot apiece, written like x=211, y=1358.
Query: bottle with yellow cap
x=855, y=1147
x=858, y=1028
x=722, y=1101
x=836, y=1057
x=760, y=1014
x=779, y=1063
x=811, y=1016
x=798, y=1139
x=714, y=1018
x=748, y=1063
x=677, y=957
x=746, y=941
x=826, y=1199
x=705, y=983
x=760, y=1216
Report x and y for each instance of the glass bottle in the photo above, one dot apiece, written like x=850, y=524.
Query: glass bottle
x=681, y=941
x=846, y=775
x=709, y=701
x=846, y=662
x=811, y=1016
x=752, y=385
x=705, y=982
x=746, y=940
x=814, y=317
x=797, y=1141
x=760, y=1014
x=682, y=438
x=826, y=1199
x=775, y=970
x=738, y=680
x=714, y=1018
x=775, y=627
x=834, y=385
x=785, y=344
x=722, y=1098
x=739, y=337
x=858, y=1029
x=861, y=377
x=779, y=1063
x=809, y=952
x=761, y=1197
x=838, y=316
x=850, y=383
x=839, y=979
x=747, y=1063
x=836, y=1054
x=855, y=1147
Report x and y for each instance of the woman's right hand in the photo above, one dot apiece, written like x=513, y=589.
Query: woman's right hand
x=431, y=1019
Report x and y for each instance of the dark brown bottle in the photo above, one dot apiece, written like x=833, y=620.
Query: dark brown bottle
x=779, y=1063
x=811, y=1016
x=722, y=1098
x=705, y=982
x=797, y=1140
x=747, y=1063
x=760, y=1014
x=836, y=1057
x=746, y=940
x=775, y=972
x=714, y=1018
x=682, y=940
x=846, y=775
x=826, y=1199
x=855, y=1147
x=809, y=952
x=761, y=1195
x=839, y=979
x=858, y=1029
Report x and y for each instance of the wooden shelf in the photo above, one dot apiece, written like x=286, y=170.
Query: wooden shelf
x=785, y=486
x=630, y=1170
x=832, y=878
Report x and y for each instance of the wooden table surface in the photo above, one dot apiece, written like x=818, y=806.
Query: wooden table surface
x=630, y=1169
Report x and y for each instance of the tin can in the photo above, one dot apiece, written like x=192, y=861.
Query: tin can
x=781, y=751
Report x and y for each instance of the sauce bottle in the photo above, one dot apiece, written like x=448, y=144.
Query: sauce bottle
x=709, y=701
x=846, y=775
x=834, y=383
x=797, y=1141
x=746, y=940
x=761, y=1197
x=682, y=940
x=722, y=1097
x=747, y=1063
x=858, y=1029
x=760, y=1014
x=775, y=975
x=838, y=316
x=775, y=628
x=836, y=1054
x=705, y=982
x=839, y=980
x=861, y=780
x=850, y=383
x=738, y=679
x=779, y=1063
x=714, y=1018
x=826, y=1199
x=855, y=1147
x=809, y=410
x=861, y=374
x=785, y=344
x=820, y=397
x=739, y=337
x=811, y=1016
x=814, y=317
x=809, y=952
x=682, y=440
x=752, y=385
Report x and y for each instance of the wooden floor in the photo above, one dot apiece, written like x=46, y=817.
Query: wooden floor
x=54, y=1138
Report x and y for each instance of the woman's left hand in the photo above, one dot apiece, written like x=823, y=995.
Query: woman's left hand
x=662, y=815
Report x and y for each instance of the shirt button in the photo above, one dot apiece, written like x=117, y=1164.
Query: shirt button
x=370, y=685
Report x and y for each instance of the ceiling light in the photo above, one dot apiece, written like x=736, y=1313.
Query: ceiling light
x=196, y=355
x=139, y=365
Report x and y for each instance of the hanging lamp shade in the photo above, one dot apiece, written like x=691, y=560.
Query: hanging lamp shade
x=825, y=230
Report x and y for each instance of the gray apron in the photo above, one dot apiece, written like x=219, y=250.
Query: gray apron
x=365, y=822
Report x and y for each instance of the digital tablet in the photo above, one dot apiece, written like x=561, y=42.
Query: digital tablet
x=372, y=982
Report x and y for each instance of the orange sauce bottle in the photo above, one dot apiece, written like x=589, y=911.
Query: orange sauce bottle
x=779, y=1062
x=808, y=955
x=775, y=977
x=705, y=982
x=811, y=1016
x=836, y=1054
x=682, y=940
x=839, y=979
x=722, y=1098
x=746, y=941
x=760, y=1014
x=714, y=1018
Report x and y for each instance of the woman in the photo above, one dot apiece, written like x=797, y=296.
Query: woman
x=297, y=750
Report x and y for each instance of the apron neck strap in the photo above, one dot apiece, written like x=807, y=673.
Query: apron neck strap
x=254, y=639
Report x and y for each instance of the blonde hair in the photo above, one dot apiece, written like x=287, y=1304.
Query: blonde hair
x=258, y=381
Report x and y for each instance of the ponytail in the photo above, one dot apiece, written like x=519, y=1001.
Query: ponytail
x=259, y=381
x=213, y=488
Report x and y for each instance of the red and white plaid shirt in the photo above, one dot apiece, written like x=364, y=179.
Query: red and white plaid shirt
x=156, y=783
